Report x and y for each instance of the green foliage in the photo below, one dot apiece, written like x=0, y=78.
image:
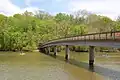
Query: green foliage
x=79, y=29
x=25, y=31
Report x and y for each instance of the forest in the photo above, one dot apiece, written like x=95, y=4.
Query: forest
x=25, y=31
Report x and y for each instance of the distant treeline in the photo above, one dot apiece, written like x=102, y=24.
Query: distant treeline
x=25, y=31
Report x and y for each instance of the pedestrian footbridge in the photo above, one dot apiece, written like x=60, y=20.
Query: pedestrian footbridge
x=105, y=39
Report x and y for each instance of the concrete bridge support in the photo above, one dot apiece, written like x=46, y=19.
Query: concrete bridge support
x=91, y=55
x=45, y=50
x=67, y=52
x=55, y=50
x=48, y=50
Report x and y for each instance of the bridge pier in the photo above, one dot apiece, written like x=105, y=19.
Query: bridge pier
x=67, y=52
x=48, y=50
x=55, y=50
x=45, y=49
x=91, y=55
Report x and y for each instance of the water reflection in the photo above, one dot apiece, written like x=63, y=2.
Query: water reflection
x=91, y=68
x=99, y=69
x=106, y=72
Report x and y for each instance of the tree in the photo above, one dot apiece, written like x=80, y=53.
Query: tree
x=25, y=31
x=98, y=23
x=42, y=15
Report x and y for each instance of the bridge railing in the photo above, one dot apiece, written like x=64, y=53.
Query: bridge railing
x=94, y=36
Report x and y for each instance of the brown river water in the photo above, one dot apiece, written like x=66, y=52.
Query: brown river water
x=38, y=66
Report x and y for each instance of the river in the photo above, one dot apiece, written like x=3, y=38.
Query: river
x=38, y=66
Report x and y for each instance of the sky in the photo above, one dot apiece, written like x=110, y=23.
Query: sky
x=108, y=8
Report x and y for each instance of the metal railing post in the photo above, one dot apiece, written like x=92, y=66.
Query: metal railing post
x=106, y=36
x=94, y=36
x=111, y=35
x=89, y=37
x=84, y=37
x=99, y=35
x=114, y=35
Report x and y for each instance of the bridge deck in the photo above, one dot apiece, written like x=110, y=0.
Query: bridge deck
x=101, y=37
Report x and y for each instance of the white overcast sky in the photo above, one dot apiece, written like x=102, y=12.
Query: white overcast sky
x=108, y=8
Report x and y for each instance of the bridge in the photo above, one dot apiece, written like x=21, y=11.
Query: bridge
x=105, y=39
